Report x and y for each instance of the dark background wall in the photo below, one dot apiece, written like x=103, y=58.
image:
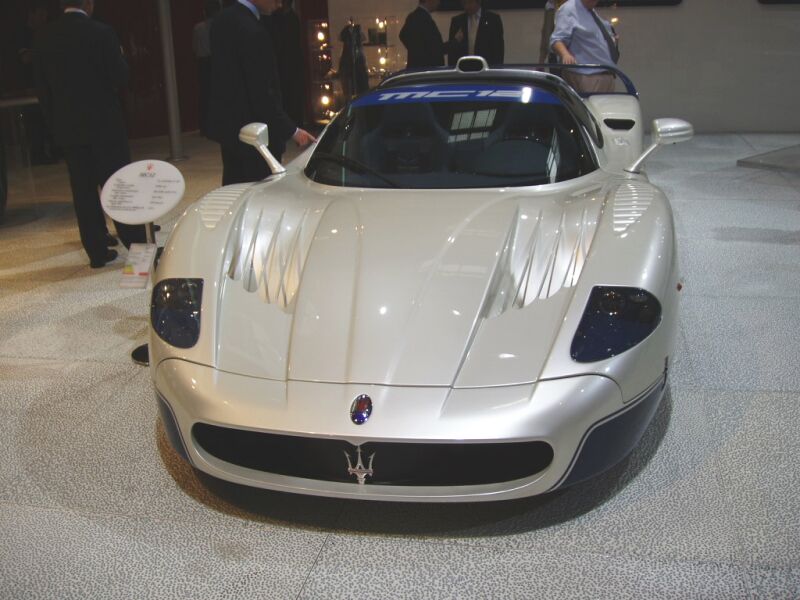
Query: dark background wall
x=136, y=23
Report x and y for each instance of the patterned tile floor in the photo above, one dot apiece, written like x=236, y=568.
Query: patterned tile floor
x=93, y=503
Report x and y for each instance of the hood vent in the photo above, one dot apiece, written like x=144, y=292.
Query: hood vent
x=544, y=254
x=266, y=253
x=214, y=206
x=631, y=202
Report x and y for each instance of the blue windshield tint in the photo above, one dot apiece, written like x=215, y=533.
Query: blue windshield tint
x=450, y=137
x=457, y=93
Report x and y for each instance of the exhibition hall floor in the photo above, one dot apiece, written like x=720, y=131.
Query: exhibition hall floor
x=93, y=503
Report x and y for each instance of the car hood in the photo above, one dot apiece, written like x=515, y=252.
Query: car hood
x=400, y=287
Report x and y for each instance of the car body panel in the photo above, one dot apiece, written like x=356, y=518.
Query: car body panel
x=453, y=309
x=438, y=414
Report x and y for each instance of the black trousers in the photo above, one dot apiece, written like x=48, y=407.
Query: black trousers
x=242, y=164
x=3, y=179
x=90, y=166
x=204, y=81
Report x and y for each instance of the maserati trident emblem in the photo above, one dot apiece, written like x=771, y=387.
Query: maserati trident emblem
x=361, y=409
x=359, y=470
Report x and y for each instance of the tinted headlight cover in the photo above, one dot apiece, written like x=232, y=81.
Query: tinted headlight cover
x=615, y=320
x=175, y=311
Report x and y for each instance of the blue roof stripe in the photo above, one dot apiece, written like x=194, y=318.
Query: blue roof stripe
x=457, y=93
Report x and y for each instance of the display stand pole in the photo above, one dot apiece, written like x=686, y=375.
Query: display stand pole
x=141, y=354
x=170, y=81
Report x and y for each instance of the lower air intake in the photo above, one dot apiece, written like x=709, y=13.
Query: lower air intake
x=402, y=464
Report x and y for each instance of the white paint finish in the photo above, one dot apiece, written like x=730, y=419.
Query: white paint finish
x=385, y=304
x=431, y=301
x=644, y=256
x=396, y=288
x=627, y=144
x=724, y=65
x=545, y=264
x=558, y=412
x=217, y=204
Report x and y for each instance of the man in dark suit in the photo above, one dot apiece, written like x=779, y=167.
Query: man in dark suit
x=476, y=32
x=245, y=89
x=79, y=70
x=3, y=178
x=287, y=35
x=420, y=35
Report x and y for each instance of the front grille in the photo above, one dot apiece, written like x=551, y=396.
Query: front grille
x=394, y=463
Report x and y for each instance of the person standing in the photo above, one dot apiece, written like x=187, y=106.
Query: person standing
x=421, y=37
x=79, y=70
x=582, y=37
x=245, y=89
x=3, y=179
x=201, y=45
x=476, y=32
x=41, y=143
x=287, y=36
x=546, y=54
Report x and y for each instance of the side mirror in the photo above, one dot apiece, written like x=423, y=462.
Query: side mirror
x=672, y=131
x=665, y=131
x=257, y=135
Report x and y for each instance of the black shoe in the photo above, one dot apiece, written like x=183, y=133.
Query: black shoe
x=111, y=240
x=110, y=255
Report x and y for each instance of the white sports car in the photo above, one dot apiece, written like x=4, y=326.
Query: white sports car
x=466, y=290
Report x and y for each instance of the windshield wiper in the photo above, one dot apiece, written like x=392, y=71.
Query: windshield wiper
x=352, y=163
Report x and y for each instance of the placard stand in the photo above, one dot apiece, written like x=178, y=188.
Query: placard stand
x=138, y=194
x=141, y=354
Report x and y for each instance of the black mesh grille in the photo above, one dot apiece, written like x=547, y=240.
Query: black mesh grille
x=405, y=464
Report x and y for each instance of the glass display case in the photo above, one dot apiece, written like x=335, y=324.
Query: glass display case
x=382, y=48
x=323, y=98
x=348, y=60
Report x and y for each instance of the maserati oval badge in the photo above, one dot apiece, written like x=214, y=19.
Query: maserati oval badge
x=361, y=409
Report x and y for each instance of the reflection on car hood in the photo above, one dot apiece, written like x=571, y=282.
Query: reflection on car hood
x=459, y=288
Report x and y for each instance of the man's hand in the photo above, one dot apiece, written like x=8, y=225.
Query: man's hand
x=459, y=36
x=302, y=138
x=568, y=59
x=566, y=56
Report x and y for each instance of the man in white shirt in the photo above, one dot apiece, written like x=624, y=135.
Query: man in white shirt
x=582, y=37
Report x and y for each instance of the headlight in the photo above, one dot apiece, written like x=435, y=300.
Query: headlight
x=175, y=311
x=615, y=320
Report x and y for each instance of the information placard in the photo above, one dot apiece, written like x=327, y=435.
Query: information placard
x=138, y=265
x=142, y=192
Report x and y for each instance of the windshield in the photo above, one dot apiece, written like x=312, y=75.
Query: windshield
x=452, y=136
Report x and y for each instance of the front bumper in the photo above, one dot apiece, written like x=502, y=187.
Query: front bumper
x=563, y=413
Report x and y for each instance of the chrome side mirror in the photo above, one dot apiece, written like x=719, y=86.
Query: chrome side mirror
x=257, y=135
x=665, y=131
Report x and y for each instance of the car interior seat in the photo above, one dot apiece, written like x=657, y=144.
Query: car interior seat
x=523, y=143
x=407, y=140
